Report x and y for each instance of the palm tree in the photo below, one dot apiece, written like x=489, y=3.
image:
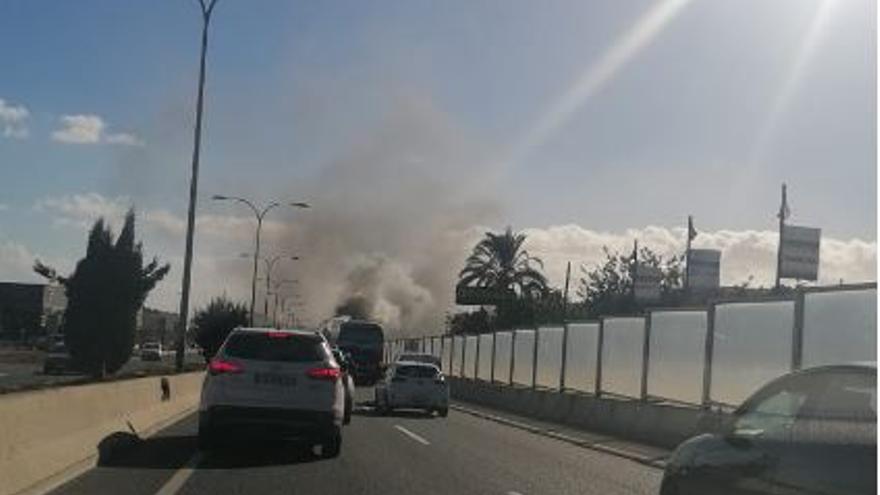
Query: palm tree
x=499, y=261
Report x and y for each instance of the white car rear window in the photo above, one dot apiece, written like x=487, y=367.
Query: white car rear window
x=275, y=347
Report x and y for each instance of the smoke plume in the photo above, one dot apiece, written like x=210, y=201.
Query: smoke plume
x=392, y=220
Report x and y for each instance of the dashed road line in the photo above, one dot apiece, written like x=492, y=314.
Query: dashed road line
x=175, y=483
x=412, y=435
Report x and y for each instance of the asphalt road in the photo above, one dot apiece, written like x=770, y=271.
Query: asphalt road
x=25, y=373
x=401, y=454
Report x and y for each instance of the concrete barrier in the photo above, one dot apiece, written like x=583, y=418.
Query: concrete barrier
x=662, y=425
x=45, y=432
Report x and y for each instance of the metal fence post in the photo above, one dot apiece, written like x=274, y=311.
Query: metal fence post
x=535, y=358
x=463, y=356
x=797, y=332
x=600, y=341
x=512, y=355
x=477, y=358
x=492, y=369
x=708, y=355
x=564, y=359
x=646, y=355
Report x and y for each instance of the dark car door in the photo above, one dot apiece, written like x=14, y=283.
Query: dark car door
x=834, y=438
x=745, y=459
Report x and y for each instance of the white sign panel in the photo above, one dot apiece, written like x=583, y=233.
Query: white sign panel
x=800, y=253
x=646, y=286
x=704, y=269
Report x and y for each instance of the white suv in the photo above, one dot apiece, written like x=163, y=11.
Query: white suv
x=413, y=385
x=279, y=382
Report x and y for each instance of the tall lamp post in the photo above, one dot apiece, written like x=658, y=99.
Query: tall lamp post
x=207, y=9
x=259, y=213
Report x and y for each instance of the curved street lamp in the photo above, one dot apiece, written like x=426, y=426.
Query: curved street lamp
x=270, y=263
x=259, y=213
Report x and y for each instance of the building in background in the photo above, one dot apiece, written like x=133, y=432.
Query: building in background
x=30, y=311
x=156, y=326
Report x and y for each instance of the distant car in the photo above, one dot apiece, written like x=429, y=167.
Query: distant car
x=413, y=385
x=151, y=351
x=808, y=432
x=58, y=358
x=347, y=380
x=283, y=383
x=420, y=357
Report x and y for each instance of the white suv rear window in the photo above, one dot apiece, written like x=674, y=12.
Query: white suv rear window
x=275, y=347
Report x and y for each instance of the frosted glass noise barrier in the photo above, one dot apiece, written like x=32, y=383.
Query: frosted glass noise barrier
x=523, y=349
x=484, y=370
x=503, y=351
x=677, y=350
x=444, y=356
x=580, y=360
x=840, y=327
x=470, y=356
x=549, y=357
x=457, y=345
x=622, y=356
x=752, y=345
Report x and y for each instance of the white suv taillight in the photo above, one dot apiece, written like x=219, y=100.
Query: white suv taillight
x=219, y=366
x=327, y=374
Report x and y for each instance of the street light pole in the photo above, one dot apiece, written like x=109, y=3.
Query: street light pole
x=259, y=214
x=193, y=189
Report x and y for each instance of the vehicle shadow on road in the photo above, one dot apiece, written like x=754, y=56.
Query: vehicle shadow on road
x=247, y=454
x=126, y=450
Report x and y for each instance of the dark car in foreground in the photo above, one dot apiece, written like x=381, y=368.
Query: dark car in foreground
x=808, y=432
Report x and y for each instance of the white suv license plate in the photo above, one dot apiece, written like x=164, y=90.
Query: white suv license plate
x=275, y=379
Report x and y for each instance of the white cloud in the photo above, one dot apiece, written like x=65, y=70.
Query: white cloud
x=82, y=210
x=4, y=207
x=90, y=129
x=13, y=119
x=123, y=138
x=744, y=253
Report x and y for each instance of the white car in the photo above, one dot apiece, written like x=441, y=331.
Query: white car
x=420, y=357
x=284, y=383
x=413, y=385
x=151, y=351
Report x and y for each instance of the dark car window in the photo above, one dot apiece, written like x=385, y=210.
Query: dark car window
x=416, y=372
x=844, y=396
x=772, y=411
x=844, y=412
x=266, y=347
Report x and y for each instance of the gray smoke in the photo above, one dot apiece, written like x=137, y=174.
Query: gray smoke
x=393, y=219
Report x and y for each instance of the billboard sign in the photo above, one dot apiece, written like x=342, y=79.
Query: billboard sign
x=482, y=296
x=646, y=286
x=704, y=269
x=799, y=253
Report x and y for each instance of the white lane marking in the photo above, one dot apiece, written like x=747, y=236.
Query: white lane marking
x=412, y=435
x=514, y=493
x=175, y=483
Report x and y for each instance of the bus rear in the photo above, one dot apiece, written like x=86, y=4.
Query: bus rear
x=364, y=342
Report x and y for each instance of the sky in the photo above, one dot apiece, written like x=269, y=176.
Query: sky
x=586, y=123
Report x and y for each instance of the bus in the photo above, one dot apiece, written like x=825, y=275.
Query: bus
x=363, y=341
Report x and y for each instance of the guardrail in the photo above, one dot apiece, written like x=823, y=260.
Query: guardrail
x=700, y=357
